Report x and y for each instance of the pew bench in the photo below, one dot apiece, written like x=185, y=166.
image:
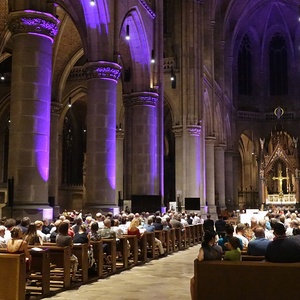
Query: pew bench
x=238, y=280
x=12, y=276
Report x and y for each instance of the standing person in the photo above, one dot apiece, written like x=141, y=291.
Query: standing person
x=209, y=224
x=220, y=226
x=64, y=239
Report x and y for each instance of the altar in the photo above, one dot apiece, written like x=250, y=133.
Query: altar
x=278, y=199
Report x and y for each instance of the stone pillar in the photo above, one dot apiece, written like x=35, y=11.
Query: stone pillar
x=29, y=141
x=102, y=78
x=141, y=144
x=220, y=175
x=210, y=173
x=54, y=174
x=179, y=163
x=193, y=176
x=229, y=179
x=120, y=164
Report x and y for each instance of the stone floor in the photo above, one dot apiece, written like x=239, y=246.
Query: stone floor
x=165, y=278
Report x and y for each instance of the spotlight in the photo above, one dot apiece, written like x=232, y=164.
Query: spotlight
x=69, y=103
x=152, y=57
x=2, y=77
x=92, y=2
x=127, y=33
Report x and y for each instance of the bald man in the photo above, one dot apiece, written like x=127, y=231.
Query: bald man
x=259, y=245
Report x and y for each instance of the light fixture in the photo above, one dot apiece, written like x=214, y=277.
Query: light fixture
x=127, y=33
x=173, y=79
x=299, y=13
x=278, y=112
x=92, y=2
x=2, y=77
x=70, y=102
x=152, y=57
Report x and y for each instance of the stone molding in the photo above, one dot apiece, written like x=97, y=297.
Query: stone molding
x=103, y=70
x=177, y=130
x=220, y=147
x=211, y=140
x=140, y=98
x=56, y=108
x=194, y=130
x=120, y=134
x=33, y=22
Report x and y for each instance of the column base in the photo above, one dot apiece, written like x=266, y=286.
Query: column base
x=34, y=212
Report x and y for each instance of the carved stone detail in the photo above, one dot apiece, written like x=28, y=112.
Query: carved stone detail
x=120, y=134
x=177, y=130
x=194, y=130
x=56, y=108
x=103, y=70
x=144, y=99
x=33, y=22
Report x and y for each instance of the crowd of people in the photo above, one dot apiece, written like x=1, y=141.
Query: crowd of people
x=276, y=238
x=74, y=227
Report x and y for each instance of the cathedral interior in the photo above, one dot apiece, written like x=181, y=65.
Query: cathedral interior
x=148, y=104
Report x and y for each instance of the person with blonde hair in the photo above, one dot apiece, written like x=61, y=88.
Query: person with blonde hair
x=133, y=228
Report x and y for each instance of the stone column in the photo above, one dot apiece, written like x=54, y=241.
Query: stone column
x=141, y=144
x=210, y=173
x=220, y=175
x=120, y=163
x=54, y=174
x=32, y=39
x=229, y=179
x=179, y=163
x=193, y=176
x=102, y=78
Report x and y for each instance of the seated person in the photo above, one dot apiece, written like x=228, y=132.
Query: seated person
x=208, y=251
x=31, y=236
x=229, y=229
x=82, y=237
x=2, y=239
x=258, y=246
x=282, y=249
x=234, y=252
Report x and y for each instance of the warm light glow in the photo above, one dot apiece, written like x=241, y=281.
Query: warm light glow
x=127, y=33
x=152, y=57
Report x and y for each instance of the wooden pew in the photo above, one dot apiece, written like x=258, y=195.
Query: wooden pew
x=12, y=276
x=40, y=271
x=134, y=250
x=81, y=252
x=173, y=240
x=98, y=256
x=113, y=254
x=151, y=244
x=60, y=259
x=254, y=279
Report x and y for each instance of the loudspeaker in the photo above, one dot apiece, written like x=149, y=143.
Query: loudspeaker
x=10, y=191
x=51, y=201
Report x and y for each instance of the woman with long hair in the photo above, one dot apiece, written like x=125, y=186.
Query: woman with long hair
x=31, y=236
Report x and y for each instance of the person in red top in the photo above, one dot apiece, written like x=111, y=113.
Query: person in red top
x=133, y=228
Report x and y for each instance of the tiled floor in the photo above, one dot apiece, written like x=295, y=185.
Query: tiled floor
x=165, y=278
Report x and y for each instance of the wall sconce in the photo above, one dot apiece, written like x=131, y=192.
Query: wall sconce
x=173, y=79
x=69, y=102
x=2, y=77
x=152, y=57
x=127, y=33
x=92, y=2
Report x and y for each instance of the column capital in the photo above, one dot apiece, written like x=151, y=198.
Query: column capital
x=210, y=140
x=33, y=22
x=103, y=70
x=56, y=108
x=120, y=134
x=220, y=147
x=140, y=98
x=177, y=130
x=194, y=130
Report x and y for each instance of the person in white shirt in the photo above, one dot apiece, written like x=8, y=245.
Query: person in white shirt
x=2, y=239
x=239, y=232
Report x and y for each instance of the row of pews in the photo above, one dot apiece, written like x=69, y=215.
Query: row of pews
x=50, y=270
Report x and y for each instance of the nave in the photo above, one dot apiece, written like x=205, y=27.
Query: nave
x=165, y=278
